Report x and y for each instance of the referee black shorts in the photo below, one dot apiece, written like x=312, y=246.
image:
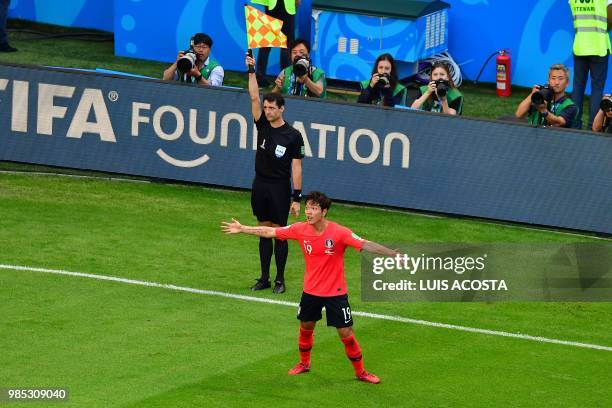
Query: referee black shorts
x=270, y=201
x=337, y=310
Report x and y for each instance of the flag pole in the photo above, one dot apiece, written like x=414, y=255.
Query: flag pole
x=251, y=69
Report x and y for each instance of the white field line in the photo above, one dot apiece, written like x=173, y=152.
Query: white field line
x=293, y=304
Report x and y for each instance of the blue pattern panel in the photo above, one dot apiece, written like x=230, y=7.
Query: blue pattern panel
x=346, y=45
x=355, y=152
x=97, y=14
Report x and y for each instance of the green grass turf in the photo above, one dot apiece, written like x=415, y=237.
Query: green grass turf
x=114, y=344
x=480, y=100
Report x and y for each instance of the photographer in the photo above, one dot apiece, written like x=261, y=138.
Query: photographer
x=383, y=88
x=548, y=105
x=195, y=65
x=301, y=78
x=440, y=95
x=603, y=119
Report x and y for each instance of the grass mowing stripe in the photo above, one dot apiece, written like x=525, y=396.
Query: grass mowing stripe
x=293, y=304
x=348, y=205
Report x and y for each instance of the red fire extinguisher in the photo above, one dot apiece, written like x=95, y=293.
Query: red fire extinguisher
x=503, y=73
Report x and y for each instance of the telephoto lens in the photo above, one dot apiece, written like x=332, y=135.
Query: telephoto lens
x=442, y=87
x=186, y=62
x=383, y=80
x=606, y=105
x=300, y=66
x=541, y=96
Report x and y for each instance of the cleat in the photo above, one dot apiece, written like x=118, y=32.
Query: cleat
x=300, y=368
x=279, y=287
x=260, y=285
x=368, y=377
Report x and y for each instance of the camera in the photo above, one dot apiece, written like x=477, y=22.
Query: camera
x=442, y=86
x=301, y=66
x=187, y=61
x=606, y=104
x=383, y=80
x=543, y=95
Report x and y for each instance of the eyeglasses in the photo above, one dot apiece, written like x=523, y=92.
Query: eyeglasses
x=201, y=46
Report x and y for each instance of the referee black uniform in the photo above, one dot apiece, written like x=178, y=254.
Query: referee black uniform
x=271, y=191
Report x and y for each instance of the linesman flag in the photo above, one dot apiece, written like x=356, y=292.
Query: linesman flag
x=263, y=30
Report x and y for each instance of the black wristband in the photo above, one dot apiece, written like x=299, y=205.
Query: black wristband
x=297, y=195
x=544, y=114
x=198, y=78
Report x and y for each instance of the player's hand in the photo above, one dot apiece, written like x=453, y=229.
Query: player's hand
x=295, y=209
x=180, y=55
x=233, y=227
x=541, y=108
x=535, y=89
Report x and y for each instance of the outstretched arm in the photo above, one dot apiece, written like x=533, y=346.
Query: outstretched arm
x=253, y=89
x=235, y=227
x=375, y=248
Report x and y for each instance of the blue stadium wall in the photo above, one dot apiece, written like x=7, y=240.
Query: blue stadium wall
x=360, y=153
x=538, y=33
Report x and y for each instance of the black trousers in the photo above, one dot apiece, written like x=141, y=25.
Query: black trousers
x=598, y=66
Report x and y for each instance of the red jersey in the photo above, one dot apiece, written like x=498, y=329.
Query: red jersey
x=323, y=254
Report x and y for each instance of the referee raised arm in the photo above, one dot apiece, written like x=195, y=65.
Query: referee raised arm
x=278, y=162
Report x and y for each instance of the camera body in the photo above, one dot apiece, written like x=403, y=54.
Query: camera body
x=383, y=80
x=606, y=104
x=442, y=86
x=301, y=66
x=543, y=95
x=188, y=61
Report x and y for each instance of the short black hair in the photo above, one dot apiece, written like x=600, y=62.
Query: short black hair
x=201, y=38
x=276, y=98
x=320, y=198
x=299, y=41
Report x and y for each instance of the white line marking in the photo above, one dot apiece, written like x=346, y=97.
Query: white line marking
x=293, y=304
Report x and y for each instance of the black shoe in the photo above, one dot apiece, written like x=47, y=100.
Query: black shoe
x=279, y=287
x=260, y=285
x=7, y=48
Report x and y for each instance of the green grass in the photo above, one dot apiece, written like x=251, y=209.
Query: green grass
x=115, y=345
x=481, y=100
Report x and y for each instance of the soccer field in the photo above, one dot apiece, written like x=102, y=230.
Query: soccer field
x=119, y=343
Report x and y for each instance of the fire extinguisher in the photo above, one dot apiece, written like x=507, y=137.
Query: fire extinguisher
x=503, y=73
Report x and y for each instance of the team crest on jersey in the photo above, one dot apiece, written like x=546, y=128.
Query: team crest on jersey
x=280, y=151
x=329, y=246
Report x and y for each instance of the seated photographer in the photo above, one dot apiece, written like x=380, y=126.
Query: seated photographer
x=603, y=119
x=548, y=105
x=195, y=65
x=301, y=78
x=383, y=88
x=440, y=95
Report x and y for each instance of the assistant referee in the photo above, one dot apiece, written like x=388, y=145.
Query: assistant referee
x=278, y=161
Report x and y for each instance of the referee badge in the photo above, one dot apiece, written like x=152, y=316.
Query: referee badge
x=280, y=151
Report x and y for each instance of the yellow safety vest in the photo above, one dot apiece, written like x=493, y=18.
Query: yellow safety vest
x=289, y=5
x=591, y=25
